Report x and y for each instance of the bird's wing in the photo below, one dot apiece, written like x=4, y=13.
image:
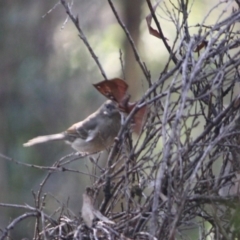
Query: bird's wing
x=85, y=130
x=91, y=126
x=77, y=131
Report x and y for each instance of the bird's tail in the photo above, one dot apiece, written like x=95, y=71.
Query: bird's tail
x=42, y=139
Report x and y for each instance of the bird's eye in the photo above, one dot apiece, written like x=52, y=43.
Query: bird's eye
x=110, y=106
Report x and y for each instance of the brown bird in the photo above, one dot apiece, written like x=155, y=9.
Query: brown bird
x=89, y=212
x=93, y=134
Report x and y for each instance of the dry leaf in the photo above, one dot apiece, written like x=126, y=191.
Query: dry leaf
x=113, y=89
x=116, y=90
x=201, y=46
x=151, y=30
x=237, y=102
x=87, y=207
x=138, y=118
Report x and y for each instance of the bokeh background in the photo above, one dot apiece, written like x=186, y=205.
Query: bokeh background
x=46, y=77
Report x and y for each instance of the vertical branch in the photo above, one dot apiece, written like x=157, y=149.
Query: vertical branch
x=82, y=36
x=172, y=55
x=137, y=56
x=184, y=8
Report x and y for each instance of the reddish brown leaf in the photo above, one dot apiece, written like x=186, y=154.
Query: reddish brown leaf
x=237, y=102
x=139, y=117
x=123, y=105
x=151, y=30
x=201, y=46
x=114, y=89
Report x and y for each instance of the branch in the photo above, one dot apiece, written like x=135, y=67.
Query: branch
x=82, y=36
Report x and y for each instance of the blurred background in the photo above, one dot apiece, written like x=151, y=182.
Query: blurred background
x=46, y=77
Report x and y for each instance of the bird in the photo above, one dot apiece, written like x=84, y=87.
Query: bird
x=89, y=212
x=94, y=134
